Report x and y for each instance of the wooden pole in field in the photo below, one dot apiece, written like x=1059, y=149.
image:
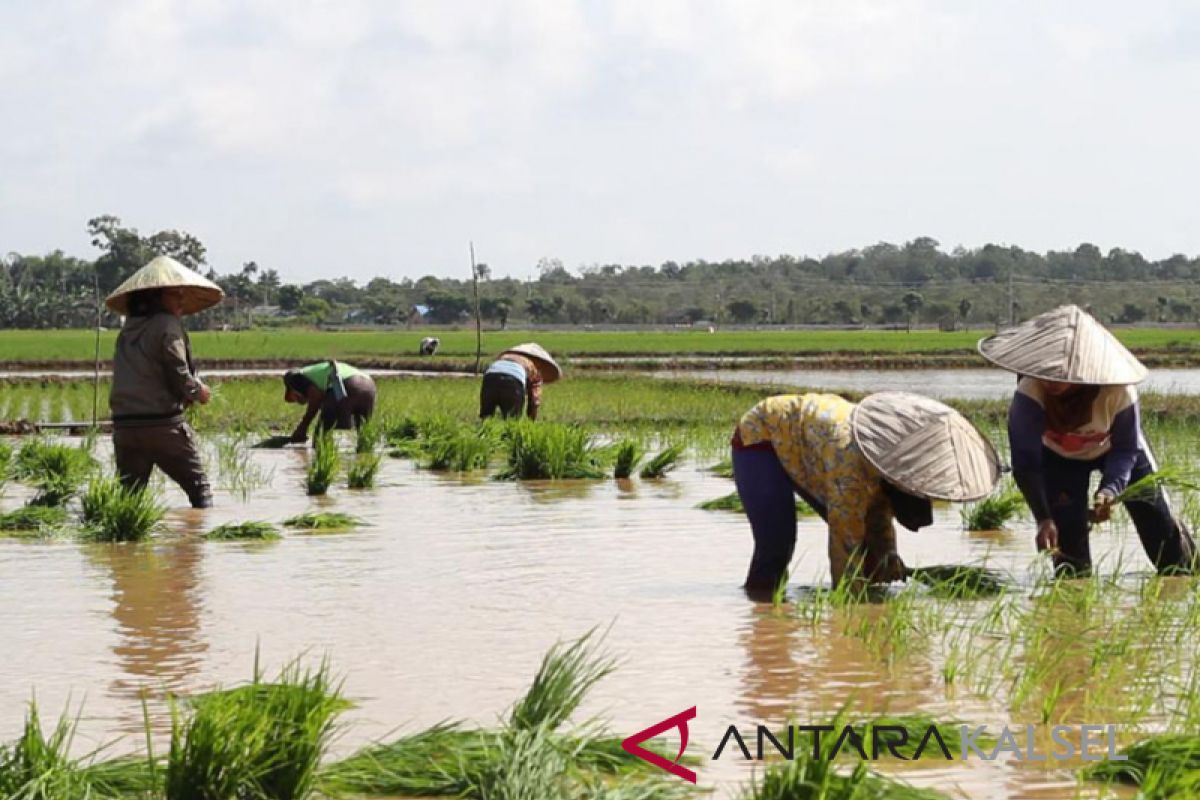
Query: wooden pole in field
x=478, y=319
x=96, y=374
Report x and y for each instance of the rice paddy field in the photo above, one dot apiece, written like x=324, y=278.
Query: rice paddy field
x=491, y=609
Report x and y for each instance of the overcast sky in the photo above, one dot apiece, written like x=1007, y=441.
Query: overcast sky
x=365, y=138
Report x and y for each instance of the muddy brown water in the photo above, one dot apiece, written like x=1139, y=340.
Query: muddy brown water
x=443, y=607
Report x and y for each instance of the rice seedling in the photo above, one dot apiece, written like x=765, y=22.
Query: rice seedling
x=322, y=464
x=113, y=513
x=629, y=454
x=1174, y=754
x=567, y=673
x=57, y=471
x=262, y=740
x=462, y=448
x=733, y=502
x=33, y=518
x=235, y=461
x=663, y=463
x=363, y=470
x=545, y=451
x=960, y=581
x=323, y=521
x=992, y=513
x=368, y=438
x=243, y=531
x=5, y=464
x=722, y=469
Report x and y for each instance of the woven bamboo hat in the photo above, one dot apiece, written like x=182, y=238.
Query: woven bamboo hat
x=925, y=447
x=1066, y=345
x=551, y=371
x=165, y=272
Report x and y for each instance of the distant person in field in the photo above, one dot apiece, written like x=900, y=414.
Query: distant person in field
x=343, y=396
x=154, y=379
x=513, y=382
x=429, y=345
x=1076, y=412
x=860, y=467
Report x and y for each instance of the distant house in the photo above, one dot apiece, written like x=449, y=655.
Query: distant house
x=418, y=315
x=266, y=311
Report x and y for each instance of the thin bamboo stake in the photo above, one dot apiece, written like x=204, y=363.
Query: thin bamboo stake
x=478, y=319
x=96, y=374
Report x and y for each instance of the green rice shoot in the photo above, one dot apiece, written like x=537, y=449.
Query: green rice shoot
x=629, y=454
x=56, y=471
x=664, y=462
x=733, y=502
x=243, y=531
x=112, y=513
x=994, y=512
x=323, y=521
x=33, y=518
x=322, y=465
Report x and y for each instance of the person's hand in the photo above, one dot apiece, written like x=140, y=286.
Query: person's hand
x=203, y=394
x=1101, y=510
x=1047, y=535
x=892, y=568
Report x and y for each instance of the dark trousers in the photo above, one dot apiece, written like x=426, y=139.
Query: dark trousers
x=769, y=497
x=172, y=448
x=1166, y=541
x=354, y=409
x=502, y=393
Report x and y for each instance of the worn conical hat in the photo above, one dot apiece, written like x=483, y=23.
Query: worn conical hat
x=925, y=447
x=162, y=273
x=551, y=371
x=1067, y=345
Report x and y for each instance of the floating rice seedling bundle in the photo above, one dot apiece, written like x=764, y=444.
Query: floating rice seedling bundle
x=663, y=463
x=960, y=581
x=629, y=454
x=323, y=521
x=992, y=513
x=33, y=518
x=541, y=451
x=733, y=502
x=112, y=513
x=322, y=464
x=262, y=740
x=243, y=531
x=364, y=467
x=57, y=471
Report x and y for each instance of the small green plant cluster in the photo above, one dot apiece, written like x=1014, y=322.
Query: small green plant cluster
x=994, y=512
x=629, y=454
x=243, y=531
x=663, y=462
x=322, y=464
x=33, y=518
x=323, y=521
x=733, y=502
x=544, y=451
x=56, y=471
x=112, y=513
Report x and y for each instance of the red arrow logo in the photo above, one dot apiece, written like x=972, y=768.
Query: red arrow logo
x=632, y=745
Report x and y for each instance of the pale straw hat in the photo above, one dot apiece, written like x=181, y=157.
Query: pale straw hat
x=165, y=272
x=551, y=371
x=925, y=447
x=1066, y=345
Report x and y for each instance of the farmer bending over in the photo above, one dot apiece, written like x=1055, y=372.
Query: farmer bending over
x=341, y=394
x=514, y=381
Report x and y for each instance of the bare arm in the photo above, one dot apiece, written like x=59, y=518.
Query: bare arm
x=315, y=399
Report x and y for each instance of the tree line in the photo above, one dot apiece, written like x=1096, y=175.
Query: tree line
x=916, y=282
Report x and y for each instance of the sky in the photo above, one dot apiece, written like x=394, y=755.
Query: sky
x=368, y=138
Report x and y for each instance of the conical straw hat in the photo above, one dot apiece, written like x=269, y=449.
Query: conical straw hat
x=162, y=273
x=925, y=447
x=1067, y=345
x=551, y=371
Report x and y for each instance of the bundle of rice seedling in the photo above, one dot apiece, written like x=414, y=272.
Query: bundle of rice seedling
x=5, y=463
x=567, y=673
x=363, y=470
x=663, y=463
x=57, y=471
x=322, y=464
x=547, y=451
x=733, y=502
x=992, y=513
x=262, y=740
x=462, y=449
x=960, y=581
x=33, y=518
x=433, y=762
x=112, y=513
x=629, y=454
x=369, y=437
x=323, y=521
x=243, y=531
x=722, y=469
x=1174, y=754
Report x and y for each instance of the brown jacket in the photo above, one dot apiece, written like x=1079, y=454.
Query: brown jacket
x=153, y=377
x=533, y=381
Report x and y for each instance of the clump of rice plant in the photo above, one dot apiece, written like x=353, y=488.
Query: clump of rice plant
x=992, y=513
x=57, y=471
x=261, y=740
x=663, y=463
x=33, y=518
x=322, y=465
x=277, y=442
x=733, y=502
x=722, y=469
x=546, y=451
x=369, y=437
x=463, y=448
x=960, y=581
x=363, y=470
x=243, y=531
x=567, y=673
x=113, y=513
x=5, y=464
x=629, y=454
x=1172, y=754
x=323, y=521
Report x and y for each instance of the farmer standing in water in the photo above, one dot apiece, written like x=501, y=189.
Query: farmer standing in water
x=514, y=381
x=154, y=379
x=1076, y=412
x=342, y=395
x=859, y=466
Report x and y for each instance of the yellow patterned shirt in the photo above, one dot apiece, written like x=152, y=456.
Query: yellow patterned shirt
x=811, y=436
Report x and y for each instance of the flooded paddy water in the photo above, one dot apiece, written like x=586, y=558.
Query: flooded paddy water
x=442, y=606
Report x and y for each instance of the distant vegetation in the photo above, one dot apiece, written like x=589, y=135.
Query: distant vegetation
x=917, y=282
